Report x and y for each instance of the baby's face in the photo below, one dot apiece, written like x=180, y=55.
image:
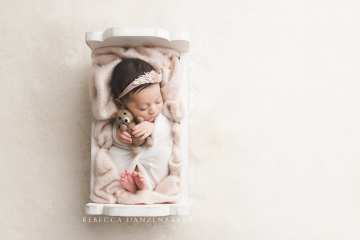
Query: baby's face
x=147, y=103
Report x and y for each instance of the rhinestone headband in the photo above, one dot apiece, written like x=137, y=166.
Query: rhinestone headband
x=149, y=77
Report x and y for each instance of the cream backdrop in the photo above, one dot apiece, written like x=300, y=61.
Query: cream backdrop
x=275, y=118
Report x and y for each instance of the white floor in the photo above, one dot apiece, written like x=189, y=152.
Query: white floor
x=275, y=118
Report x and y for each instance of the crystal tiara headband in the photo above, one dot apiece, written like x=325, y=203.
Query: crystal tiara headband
x=149, y=77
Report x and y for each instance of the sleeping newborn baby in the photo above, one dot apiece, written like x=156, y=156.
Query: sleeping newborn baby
x=135, y=86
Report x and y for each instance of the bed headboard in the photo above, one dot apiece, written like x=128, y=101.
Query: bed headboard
x=132, y=37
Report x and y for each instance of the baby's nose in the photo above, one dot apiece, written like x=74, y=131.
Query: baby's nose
x=151, y=110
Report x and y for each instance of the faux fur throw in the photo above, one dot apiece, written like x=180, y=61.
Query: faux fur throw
x=105, y=187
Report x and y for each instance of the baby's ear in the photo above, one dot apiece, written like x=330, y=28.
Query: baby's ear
x=119, y=104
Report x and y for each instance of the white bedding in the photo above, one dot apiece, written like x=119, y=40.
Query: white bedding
x=153, y=161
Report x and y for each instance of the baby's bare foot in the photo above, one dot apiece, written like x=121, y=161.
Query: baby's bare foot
x=139, y=180
x=127, y=182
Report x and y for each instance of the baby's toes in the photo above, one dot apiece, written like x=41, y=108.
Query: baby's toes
x=140, y=181
x=123, y=174
x=134, y=174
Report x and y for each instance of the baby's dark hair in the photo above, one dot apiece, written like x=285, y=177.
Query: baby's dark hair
x=127, y=71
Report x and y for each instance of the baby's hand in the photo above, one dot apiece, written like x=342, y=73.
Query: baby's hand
x=143, y=129
x=123, y=136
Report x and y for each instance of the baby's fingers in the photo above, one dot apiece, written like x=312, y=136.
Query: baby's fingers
x=122, y=132
x=138, y=130
x=140, y=133
x=126, y=134
x=136, y=127
x=126, y=141
x=126, y=138
x=145, y=136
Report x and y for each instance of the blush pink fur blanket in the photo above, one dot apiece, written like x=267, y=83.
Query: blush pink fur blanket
x=105, y=187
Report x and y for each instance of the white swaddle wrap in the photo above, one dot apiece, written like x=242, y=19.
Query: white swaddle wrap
x=152, y=162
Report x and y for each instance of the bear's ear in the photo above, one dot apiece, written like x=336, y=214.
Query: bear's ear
x=114, y=115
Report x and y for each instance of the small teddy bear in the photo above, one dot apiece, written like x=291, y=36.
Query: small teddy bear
x=125, y=121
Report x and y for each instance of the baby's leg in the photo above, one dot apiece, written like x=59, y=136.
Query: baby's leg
x=127, y=182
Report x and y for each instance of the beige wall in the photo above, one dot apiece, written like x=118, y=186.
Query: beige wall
x=275, y=120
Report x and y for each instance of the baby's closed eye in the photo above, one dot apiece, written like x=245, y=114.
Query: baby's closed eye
x=142, y=107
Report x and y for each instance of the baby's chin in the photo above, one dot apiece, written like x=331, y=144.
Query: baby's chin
x=152, y=119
